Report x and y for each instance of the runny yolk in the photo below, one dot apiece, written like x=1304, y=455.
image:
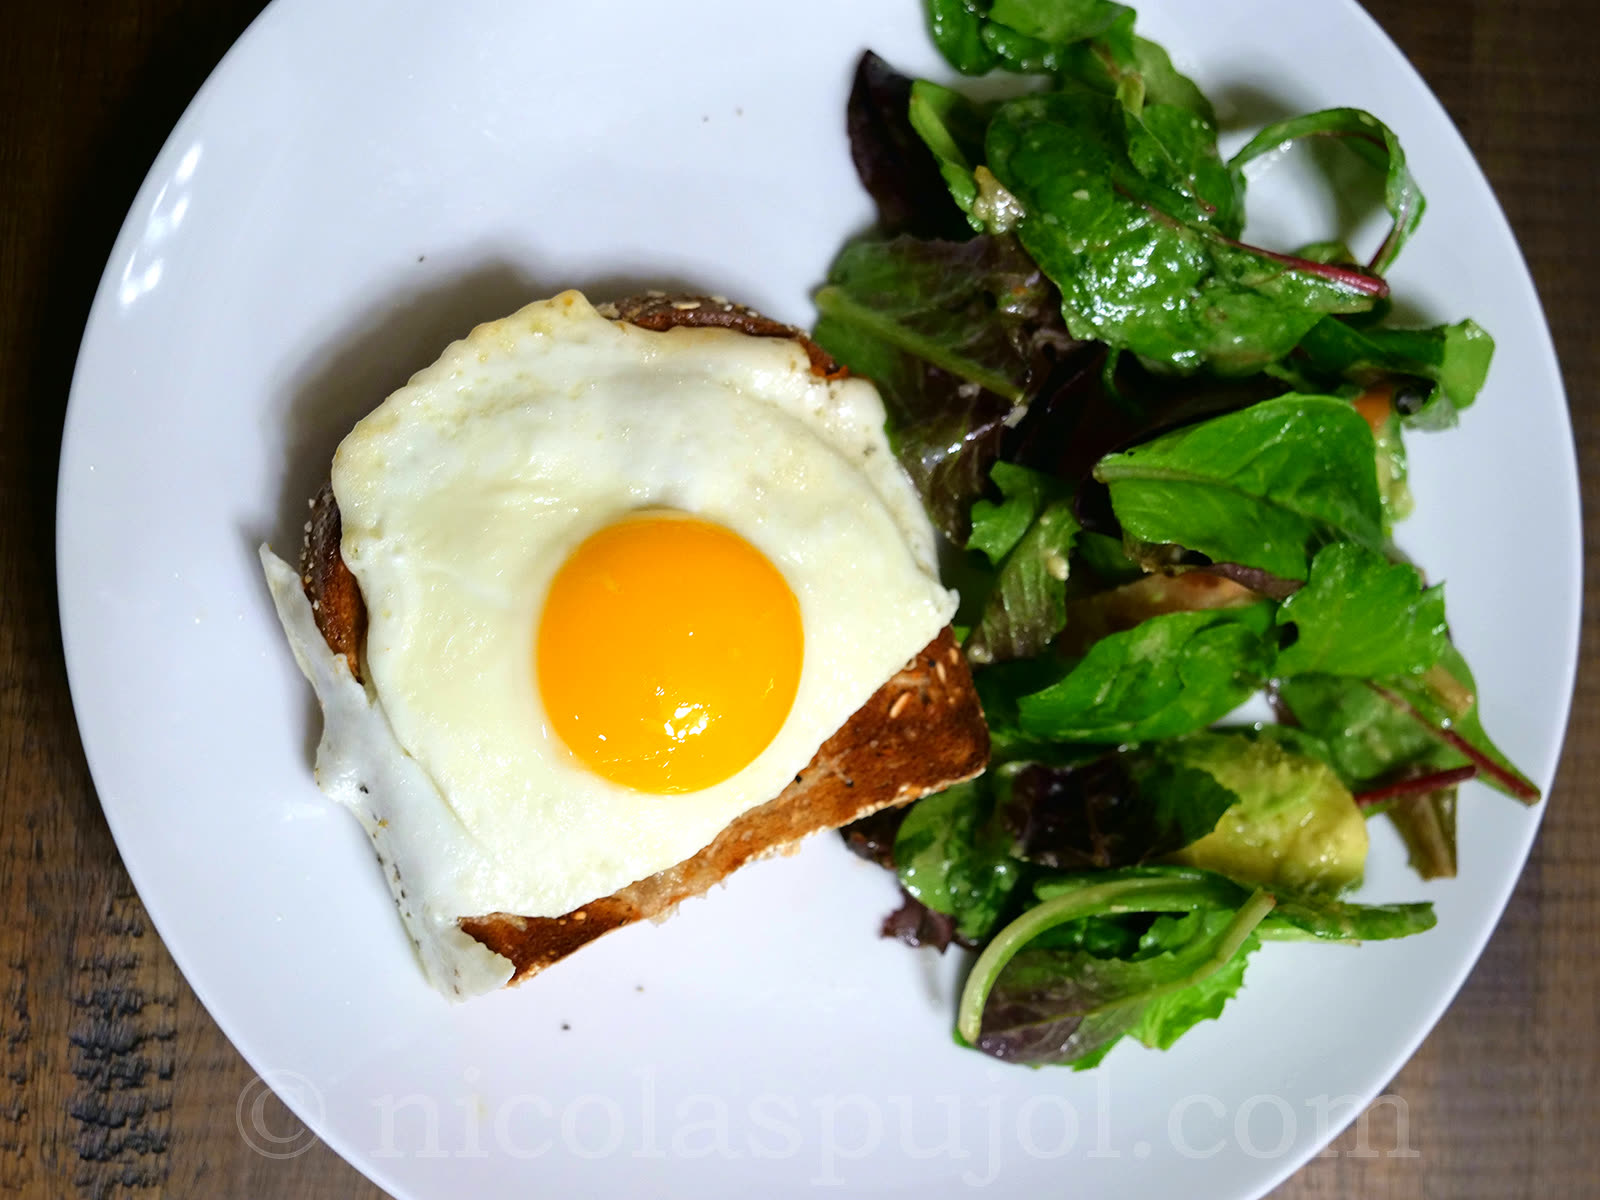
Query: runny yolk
x=669, y=652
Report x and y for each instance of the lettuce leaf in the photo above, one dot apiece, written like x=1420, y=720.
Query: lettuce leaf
x=956, y=335
x=896, y=168
x=1118, y=810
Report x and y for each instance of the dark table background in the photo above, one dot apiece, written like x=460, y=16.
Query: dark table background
x=114, y=1081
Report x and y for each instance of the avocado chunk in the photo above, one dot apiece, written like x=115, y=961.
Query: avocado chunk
x=1295, y=825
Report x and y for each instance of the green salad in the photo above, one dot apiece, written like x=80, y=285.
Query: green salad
x=1168, y=465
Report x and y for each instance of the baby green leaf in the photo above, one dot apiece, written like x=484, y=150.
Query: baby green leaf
x=957, y=28
x=1427, y=824
x=1374, y=143
x=1296, y=918
x=1027, y=605
x=1361, y=615
x=1050, y=1006
x=1452, y=361
x=1266, y=487
x=1134, y=69
x=1120, y=809
x=1376, y=729
x=1444, y=699
x=1366, y=738
x=1168, y=1017
x=1023, y=36
x=1131, y=217
x=903, y=178
x=1167, y=676
x=952, y=126
x=951, y=860
x=950, y=333
x=1058, y=22
x=996, y=528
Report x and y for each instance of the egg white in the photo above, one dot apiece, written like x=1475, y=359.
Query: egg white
x=464, y=492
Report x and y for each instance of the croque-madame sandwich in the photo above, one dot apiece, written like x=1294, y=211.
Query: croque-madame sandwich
x=607, y=603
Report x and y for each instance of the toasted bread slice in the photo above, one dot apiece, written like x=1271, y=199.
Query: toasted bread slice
x=921, y=732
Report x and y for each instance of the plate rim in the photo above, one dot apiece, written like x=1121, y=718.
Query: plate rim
x=374, y=1170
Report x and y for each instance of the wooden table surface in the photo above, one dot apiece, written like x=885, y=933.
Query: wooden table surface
x=113, y=1079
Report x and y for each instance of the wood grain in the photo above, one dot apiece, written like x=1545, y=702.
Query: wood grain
x=113, y=1079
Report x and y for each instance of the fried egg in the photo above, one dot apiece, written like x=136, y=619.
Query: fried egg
x=621, y=585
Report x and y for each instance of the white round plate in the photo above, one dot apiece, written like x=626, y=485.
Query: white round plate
x=359, y=183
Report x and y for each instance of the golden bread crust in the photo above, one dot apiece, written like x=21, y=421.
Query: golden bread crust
x=336, y=602
x=922, y=731
x=658, y=311
x=919, y=733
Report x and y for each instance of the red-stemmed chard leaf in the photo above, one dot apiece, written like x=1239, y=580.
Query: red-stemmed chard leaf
x=1375, y=144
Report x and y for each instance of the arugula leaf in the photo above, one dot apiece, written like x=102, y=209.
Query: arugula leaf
x=1361, y=615
x=953, y=861
x=895, y=167
x=1168, y=676
x=997, y=528
x=1450, y=361
x=1027, y=607
x=1124, y=217
x=953, y=334
x=1029, y=535
x=1266, y=487
x=1375, y=144
x=1121, y=809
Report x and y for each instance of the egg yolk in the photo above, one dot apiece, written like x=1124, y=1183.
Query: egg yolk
x=668, y=653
